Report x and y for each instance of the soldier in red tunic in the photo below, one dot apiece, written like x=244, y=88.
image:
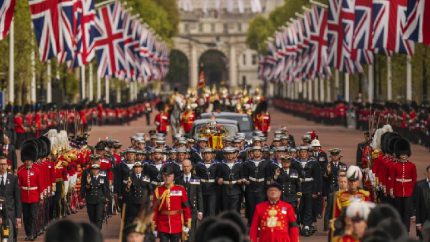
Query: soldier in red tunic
x=403, y=177
x=172, y=214
x=262, y=118
x=274, y=220
x=30, y=182
x=162, y=119
x=187, y=119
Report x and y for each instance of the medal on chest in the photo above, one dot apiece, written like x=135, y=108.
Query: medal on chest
x=272, y=219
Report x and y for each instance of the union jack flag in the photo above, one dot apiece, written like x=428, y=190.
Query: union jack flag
x=340, y=35
x=109, y=41
x=53, y=23
x=145, y=65
x=389, y=20
x=418, y=18
x=319, y=42
x=130, y=42
x=85, y=29
x=362, y=36
x=7, y=8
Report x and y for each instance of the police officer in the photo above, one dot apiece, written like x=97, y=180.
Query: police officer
x=311, y=187
x=95, y=191
x=137, y=190
x=256, y=173
x=192, y=184
x=230, y=178
x=207, y=170
x=289, y=180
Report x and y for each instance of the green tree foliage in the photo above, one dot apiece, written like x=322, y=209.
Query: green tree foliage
x=259, y=30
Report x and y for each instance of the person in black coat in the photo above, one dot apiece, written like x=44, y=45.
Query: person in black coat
x=95, y=191
x=10, y=153
x=360, y=149
x=289, y=179
x=191, y=182
x=422, y=201
x=11, y=193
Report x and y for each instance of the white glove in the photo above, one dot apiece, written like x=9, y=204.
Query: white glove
x=185, y=229
x=155, y=234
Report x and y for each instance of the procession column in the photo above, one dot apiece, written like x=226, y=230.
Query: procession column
x=48, y=83
x=11, y=83
x=233, y=66
x=194, y=67
x=371, y=84
x=408, y=79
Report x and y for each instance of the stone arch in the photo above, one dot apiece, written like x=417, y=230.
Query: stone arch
x=214, y=64
x=178, y=75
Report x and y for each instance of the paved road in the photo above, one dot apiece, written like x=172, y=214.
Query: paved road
x=330, y=137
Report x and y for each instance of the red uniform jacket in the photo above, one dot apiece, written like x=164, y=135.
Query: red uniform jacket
x=187, y=120
x=403, y=177
x=262, y=122
x=106, y=166
x=162, y=122
x=19, y=124
x=171, y=209
x=277, y=223
x=30, y=183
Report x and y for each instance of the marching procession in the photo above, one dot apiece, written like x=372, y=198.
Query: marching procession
x=279, y=188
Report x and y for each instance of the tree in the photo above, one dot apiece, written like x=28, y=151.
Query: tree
x=259, y=30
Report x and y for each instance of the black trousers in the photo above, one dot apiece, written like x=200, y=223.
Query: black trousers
x=251, y=200
x=57, y=199
x=306, y=209
x=209, y=204
x=403, y=205
x=29, y=212
x=95, y=213
x=231, y=202
x=164, y=237
x=131, y=211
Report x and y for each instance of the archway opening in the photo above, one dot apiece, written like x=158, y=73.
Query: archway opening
x=178, y=75
x=213, y=63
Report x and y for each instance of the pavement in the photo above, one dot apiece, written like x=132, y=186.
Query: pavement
x=330, y=137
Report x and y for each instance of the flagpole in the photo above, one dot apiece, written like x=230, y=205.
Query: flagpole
x=107, y=89
x=305, y=89
x=371, y=83
x=11, y=83
x=322, y=85
x=118, y=94
x=408, y=78
x=33, y=77
x=328, y=98
x=346, y=87
x=130, y=95
x=389, y=80
x=336, y=82
x=99, y=88
x=90, y=82
x=48, y=83
x=318, y=4
x=83, y=96
x=310, y=90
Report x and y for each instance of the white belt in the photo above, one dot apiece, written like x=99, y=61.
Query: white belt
x=29, y=188
x=256, y=180
x=403, y=180
x=229, y=182
x=157, y=183
x=207, y=181
x=308, y=179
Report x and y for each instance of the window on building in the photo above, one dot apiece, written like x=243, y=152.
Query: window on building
x=239, y=27
x=200, y=27
x=187, y=28
x=254, y=59
x=244, y=59
x=244, y=82
x=225, y=28
x=213, y=27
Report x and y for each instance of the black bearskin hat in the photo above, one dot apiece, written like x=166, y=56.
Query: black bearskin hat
x=402, y=147
x=29, y=150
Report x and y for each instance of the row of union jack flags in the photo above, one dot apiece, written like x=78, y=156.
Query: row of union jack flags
x=344, y=36
x=74, y=32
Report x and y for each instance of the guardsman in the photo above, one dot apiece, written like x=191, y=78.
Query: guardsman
x=262, y=119
x=311, y=188
x=207, y=170
x=256, y=172
x=289, y=180
x=274, y=220
x=230, y=179
x=30, y=182
x=187, y=119
x=162, y=121
x=20, y=128
x=137, y=190
x=95, y=191
x=191, y=182
x=403, y=177
x=172, y=214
